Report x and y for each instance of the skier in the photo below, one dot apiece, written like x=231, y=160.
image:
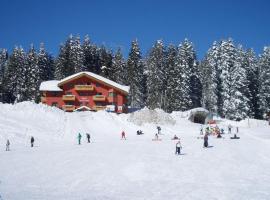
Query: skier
x=32, y=140
x=230, y=129
x=88, y=137
x=79, y=138
x=123, y=135
x=178, y=148
x=205, y=139
x=156, y=136
x=159, y=129
x=237, y=129
x=7, y=145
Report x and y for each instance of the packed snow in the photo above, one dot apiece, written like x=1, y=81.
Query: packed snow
x=137, y=168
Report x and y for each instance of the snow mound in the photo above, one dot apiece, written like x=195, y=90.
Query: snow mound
x=156, y=116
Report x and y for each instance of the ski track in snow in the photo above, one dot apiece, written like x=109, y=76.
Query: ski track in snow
x=137, y=168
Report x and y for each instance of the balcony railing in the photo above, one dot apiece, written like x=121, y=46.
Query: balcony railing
x=99, y=98
x=68, y=97
x=68, y=107
x=97, y=108
x=84, y=87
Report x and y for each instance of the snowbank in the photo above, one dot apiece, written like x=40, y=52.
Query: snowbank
x=156, y=116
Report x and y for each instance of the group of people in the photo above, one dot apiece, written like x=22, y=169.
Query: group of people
x=88, y=137
x=32, y=140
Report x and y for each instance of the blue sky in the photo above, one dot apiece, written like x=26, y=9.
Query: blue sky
x=116, y=23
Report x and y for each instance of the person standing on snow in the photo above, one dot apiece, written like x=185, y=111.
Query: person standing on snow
x=32, y=140
x=7, y=145
x=205, y=140
x=178, y=148
x=88, y=137
x=156, y=136
x=123, y=135
x=79, y=138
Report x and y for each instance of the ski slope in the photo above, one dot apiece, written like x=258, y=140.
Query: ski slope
x=137, y=168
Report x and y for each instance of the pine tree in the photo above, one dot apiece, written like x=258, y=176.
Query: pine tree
x=209, y=79
x=172, y=74
x=135, y=70
x=250, y=64
x=156, y=76
x=184, y=65
x=233, y=76
x=264, y=64
x=15, y=75
x=77, y=55
x=119, y=68
x=3, y=66
x=32, y=75
x=105, y=62
x=45, y=64
x=91, y=56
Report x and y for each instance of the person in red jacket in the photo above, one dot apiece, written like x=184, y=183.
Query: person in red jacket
x=123, y=135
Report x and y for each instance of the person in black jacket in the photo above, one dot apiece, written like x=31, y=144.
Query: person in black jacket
x=88, y=137
x=205, y=139
x=32, y=141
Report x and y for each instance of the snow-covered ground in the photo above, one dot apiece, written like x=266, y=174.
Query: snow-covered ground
x=137, y=168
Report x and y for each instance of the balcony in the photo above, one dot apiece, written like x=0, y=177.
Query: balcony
x=97, y=108
x=84, y=87
x=99, y=98
x=43, y=99
x=68, y=107
x=68, y=97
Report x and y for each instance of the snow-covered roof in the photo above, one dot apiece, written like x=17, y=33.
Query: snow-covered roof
x=97, y=77
x=50, y=86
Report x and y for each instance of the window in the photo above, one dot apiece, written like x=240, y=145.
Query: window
x=84, y=93
x=68, y=93
x=112, y=94
x=99, y=93
x=97, y=85
x=70, y=103
x=55, y=104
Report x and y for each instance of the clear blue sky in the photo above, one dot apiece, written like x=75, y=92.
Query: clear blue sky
x=116, y=23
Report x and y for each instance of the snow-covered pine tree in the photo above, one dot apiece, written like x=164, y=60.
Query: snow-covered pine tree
x=3, y=66
x=45, y=64
x=184, y=66
x=77, y=55
x=156, y=76
x=91, y=56
x=172, y=74
x=264, y=64
x=194, y=80
x=32, y=77
x=105, y=62
x=119, y=68
x=250, y=64
x=64, y=64
x=135, y=70
x=15, y=76
x=208, y=72
x=234, y=82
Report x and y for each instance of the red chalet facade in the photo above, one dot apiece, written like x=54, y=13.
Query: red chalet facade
x=85, y=91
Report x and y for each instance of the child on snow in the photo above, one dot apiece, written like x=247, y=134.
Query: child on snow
x=123, y=135
x=178, y=148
